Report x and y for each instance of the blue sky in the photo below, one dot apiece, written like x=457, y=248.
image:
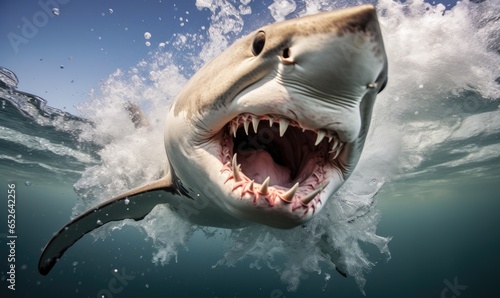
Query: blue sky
x=88, y=40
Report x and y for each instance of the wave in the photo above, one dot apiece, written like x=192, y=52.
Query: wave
x=39, y=139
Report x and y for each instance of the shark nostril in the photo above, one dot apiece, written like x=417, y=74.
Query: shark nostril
x=286, y=57
x=286, y=53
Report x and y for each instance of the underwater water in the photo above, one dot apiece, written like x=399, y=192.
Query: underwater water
x=418, y=218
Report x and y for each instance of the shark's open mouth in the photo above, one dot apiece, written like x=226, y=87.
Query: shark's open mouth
x=275, y=159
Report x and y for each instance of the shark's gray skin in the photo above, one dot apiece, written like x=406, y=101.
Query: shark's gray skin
x=264, y=133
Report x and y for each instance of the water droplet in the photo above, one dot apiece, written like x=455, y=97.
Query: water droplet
x=28, y=183
x=147, y=35
x=99, y=222
x=127, y=201
x=55, y=11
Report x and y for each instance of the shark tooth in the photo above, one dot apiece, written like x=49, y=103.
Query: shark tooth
x=246, y=123
x=283, y=126
x=265, y=185
x=271, y=121
x=255, y=123
x=335, y=144
x=319, y=138
x=236, y=171
x=337, y=152
x=288, y=196
x=307, y=199
x=233, y=128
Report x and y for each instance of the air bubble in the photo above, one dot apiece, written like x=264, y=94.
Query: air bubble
x=55, y=11
x=127, y=201
x=110, y=10
x=99, y=222
x=147, y=35
x=28, y=183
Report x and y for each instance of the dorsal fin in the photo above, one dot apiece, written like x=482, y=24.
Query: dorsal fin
x=134, y=204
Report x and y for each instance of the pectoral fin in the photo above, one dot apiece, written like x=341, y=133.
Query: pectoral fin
x=134, y=204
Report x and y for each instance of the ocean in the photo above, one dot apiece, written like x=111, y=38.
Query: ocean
x=419, y=217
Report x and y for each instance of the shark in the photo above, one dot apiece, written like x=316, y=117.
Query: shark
x=265, y=133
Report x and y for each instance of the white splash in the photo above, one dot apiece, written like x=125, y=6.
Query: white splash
x=281, y=8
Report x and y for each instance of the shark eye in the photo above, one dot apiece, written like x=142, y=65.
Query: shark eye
x=258, y=43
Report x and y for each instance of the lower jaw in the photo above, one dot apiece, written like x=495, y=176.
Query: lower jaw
x=301, y=198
